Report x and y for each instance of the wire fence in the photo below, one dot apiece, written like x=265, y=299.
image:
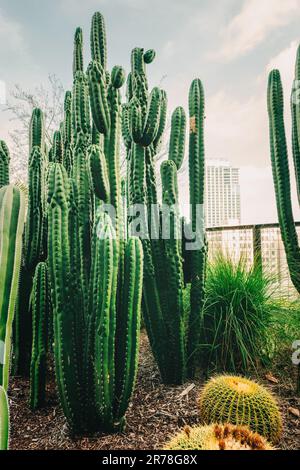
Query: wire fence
x=252, y=243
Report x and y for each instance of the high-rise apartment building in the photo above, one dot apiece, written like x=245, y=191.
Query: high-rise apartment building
x=223, y=200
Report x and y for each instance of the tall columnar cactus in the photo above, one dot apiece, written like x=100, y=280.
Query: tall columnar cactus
x=95, y=276
x=281, y=175
x=78, y=52
x=35, y=249
x=12, y=216
x=98, y=40
x=68, y=133
x=57, y=149
x=4, y=419
x=197, y=176
x=40, y=314
x=173, y=333
x=4, y=164
x=280, y=166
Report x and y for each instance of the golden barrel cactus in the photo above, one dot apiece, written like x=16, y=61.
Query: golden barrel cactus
x=239, y=401
x=218, y=437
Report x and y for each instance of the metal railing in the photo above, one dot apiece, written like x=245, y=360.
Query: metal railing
x=256, y=243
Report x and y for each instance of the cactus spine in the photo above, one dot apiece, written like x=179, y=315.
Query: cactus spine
x=173, y=336
x=12, y=216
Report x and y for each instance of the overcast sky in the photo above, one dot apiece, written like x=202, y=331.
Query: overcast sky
x=230, y=44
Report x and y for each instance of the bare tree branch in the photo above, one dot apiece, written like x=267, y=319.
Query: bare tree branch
x=48, y=97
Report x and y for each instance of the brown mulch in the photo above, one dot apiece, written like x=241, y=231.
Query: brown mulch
x=156, y=412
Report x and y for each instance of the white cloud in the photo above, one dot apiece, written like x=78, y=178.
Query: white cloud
x=11, y=35
x=238, y=130
x=78, y=7
x=252, y=25
x=285, y=62
x=169, y=49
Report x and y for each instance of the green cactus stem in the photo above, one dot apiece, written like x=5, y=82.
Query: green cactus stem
x=12, y=215
x=173, y=333
x=4, y=419
x=57, y=151
x=40, y=314
x=78, y=52
x=81, y=108
x=177, y=138
x=197, y=185
x=281, y=176
x=4, y=164
x=99, y=173
x=98, y=40
x=63, y=298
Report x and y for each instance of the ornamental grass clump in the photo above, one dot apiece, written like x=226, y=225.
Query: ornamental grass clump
x=236, y=316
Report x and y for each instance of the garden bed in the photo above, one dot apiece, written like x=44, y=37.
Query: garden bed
x=156, y=412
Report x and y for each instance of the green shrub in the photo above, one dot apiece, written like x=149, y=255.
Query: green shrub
x=236, y=315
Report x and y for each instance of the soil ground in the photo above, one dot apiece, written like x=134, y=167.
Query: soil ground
x=156, y=412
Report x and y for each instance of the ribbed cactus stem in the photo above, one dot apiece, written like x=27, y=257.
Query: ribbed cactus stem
x=98, y=97
x=4, y=419
x=95, y=274
x=37, y=130
x=57, y=155
x=40, y=313
x=106, y=263
x=197, y=184
x=78, y=52
x=281, y=176
x=81, y=107
x=68, y=118
x=112, y=145
x=295, y=108
x=68, y=133
x=152, y=120
x=64, y=304
x=177, y=138
x=174, y=314
x=80, y=177
x=128, y=327
x=35, y=240
x=99, y=174
x=98, y=40
x=173, y=332
x=162, y=121
x=36, y=208
x=4, y=164
x=12, y=216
